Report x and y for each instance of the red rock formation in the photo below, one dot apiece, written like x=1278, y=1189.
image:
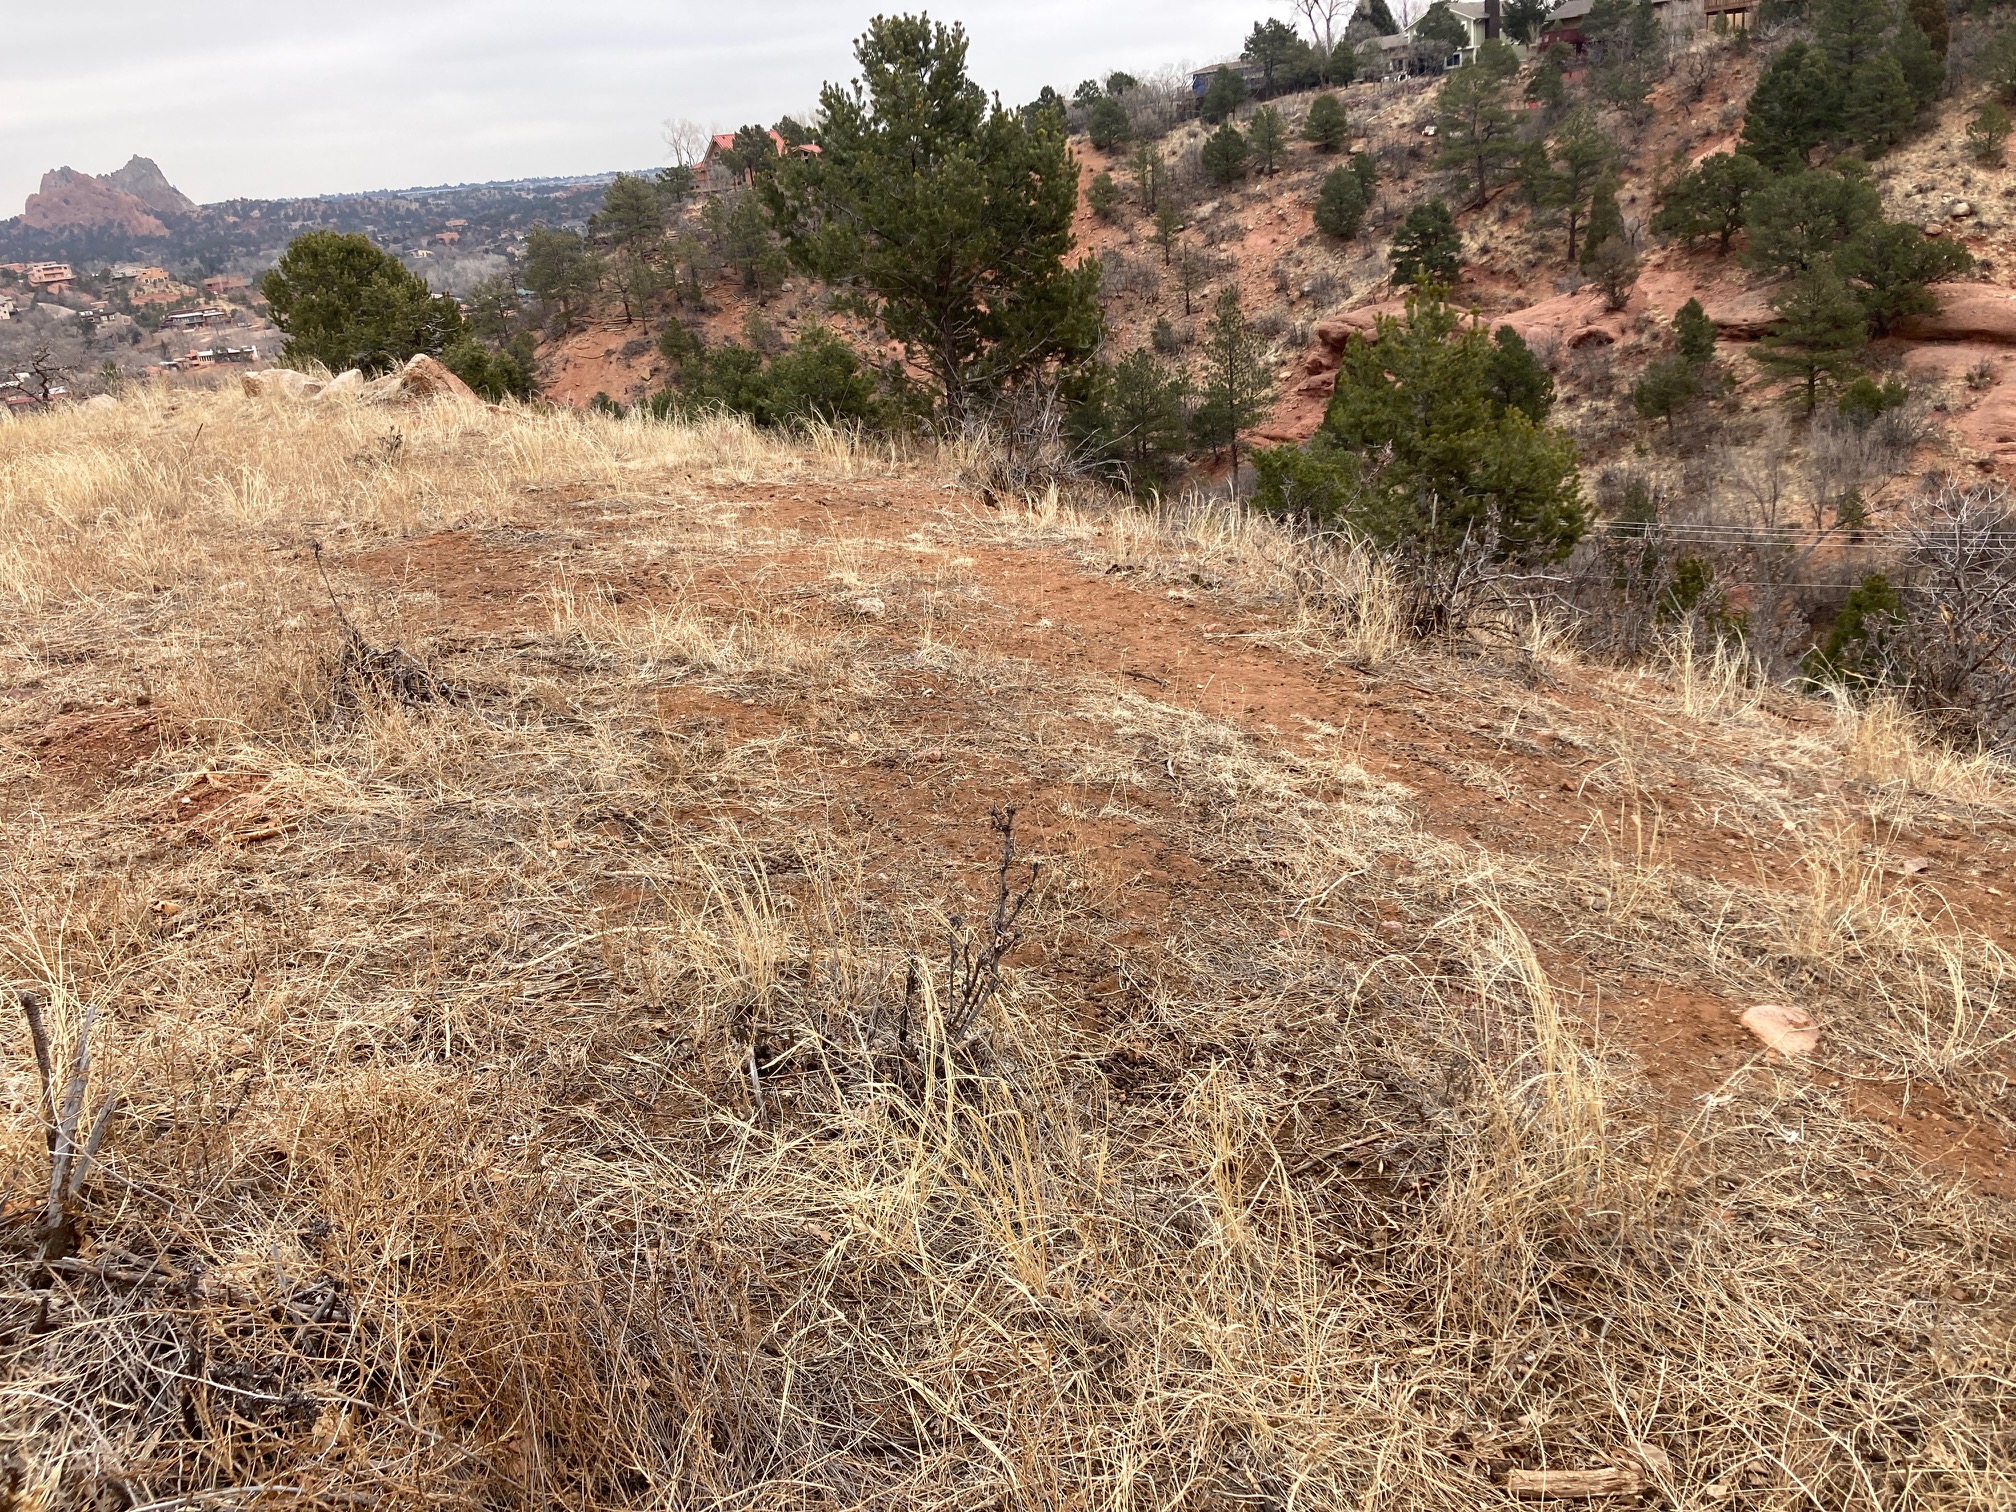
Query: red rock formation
x=143, y=179
x=73, y=201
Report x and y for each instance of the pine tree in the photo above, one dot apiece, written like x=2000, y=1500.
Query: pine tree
x=1819, y=333
x=1224, y=154
x=1711, y=199
x=1267, y=138
x=1800, y=220
x=1851, y=32
x=1238, y=386
x=1930, y=18
x=1462, y=458
x=1890, y=266
x=1326, y=126
x=1147, y=169
x=1367, y=171
x=1879, y=107
x=942, y=217
x=1516, y=378
x=1168, y=223
x=1606, y=222
x=1669, y=385
x=1102, y=196
x=1581, y=160
x=1694, y=333
x=1381, y=16
x=1427, y=248
x=1795, y=107
x=1106, y=123
x=1614, y=267
x=1923, y=68
x=1340, y=204
x=1474, y=121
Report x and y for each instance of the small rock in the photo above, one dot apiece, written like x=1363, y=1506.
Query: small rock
x=1786, y=1030
x=1961, y=210
x=167, y=910
x=870, y=608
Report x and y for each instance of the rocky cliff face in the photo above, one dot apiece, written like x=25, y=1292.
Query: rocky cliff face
x=143, y=179
x=73, y=201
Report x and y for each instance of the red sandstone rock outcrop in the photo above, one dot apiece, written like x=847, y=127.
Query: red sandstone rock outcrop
x=73, y=201
x=143, y=179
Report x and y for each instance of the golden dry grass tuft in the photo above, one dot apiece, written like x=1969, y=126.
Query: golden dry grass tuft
x=547, y=1093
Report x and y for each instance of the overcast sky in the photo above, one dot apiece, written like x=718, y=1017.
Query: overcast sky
x=273, y=98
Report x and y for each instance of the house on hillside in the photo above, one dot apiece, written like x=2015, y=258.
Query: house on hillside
x=1252, y=73
x=1677, y=17
x=718, y=172
x=222, y=284
x=51, y=277
x=6, y=307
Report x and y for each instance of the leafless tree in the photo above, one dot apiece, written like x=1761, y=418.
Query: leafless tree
x=686, y=142
x=1958, y=641
x=1324, y=18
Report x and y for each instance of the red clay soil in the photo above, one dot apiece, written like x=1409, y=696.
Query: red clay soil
x=1070, y=618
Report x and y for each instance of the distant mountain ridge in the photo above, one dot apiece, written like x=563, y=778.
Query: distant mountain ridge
x=70, y=202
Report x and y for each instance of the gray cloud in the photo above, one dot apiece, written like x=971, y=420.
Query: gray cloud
x=270, y=98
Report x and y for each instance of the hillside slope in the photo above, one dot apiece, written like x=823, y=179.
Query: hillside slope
x=521, y=963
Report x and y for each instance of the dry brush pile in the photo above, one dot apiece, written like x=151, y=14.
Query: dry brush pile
x=518, y=1090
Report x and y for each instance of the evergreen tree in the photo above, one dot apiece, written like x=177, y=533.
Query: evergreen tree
x=1711, y=199
x=561, y=269
x=1474, y=122
x=1380, y=15
x=1106, y=123
x=346, y=303
x=1568, y=177
x=1606, y=223
x=1238, y=386
x=1804, y=218
x=1367, y=171
x=1285, y=60
x=1694, y=334
x=1889, y=265
x=1147, y=169
x=1923, y=66
x=1998, y=64
x=1851, y=32
x=741, y=231
x=1879, y=107
x=1226, y=93
x=1516, y=378
x=1795, y=107
x=1340, y=204
x=1168, y=222
x=1438, y=24
x=1819, y=333
x=1326, y=126
x=1548, y=88
x=1427, y=248
x=1267, y=138
x=632, y=217
x=1459, y=455
x=1614, y=267
x=1670, y=384
x=1102, y=196
x=1929, y=16
x=1136, y=420
x=944, y=219
x=1224, y=154
x=1987, y=131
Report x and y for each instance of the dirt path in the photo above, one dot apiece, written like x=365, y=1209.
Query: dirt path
x=1498, y=765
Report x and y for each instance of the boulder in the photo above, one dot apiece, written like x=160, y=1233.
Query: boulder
x=101, y=402
x=280, y=383
x=1967, y=312
x=349, y=384
x=423, y=379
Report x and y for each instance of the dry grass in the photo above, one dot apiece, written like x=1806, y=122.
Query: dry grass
x=555, y=1108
